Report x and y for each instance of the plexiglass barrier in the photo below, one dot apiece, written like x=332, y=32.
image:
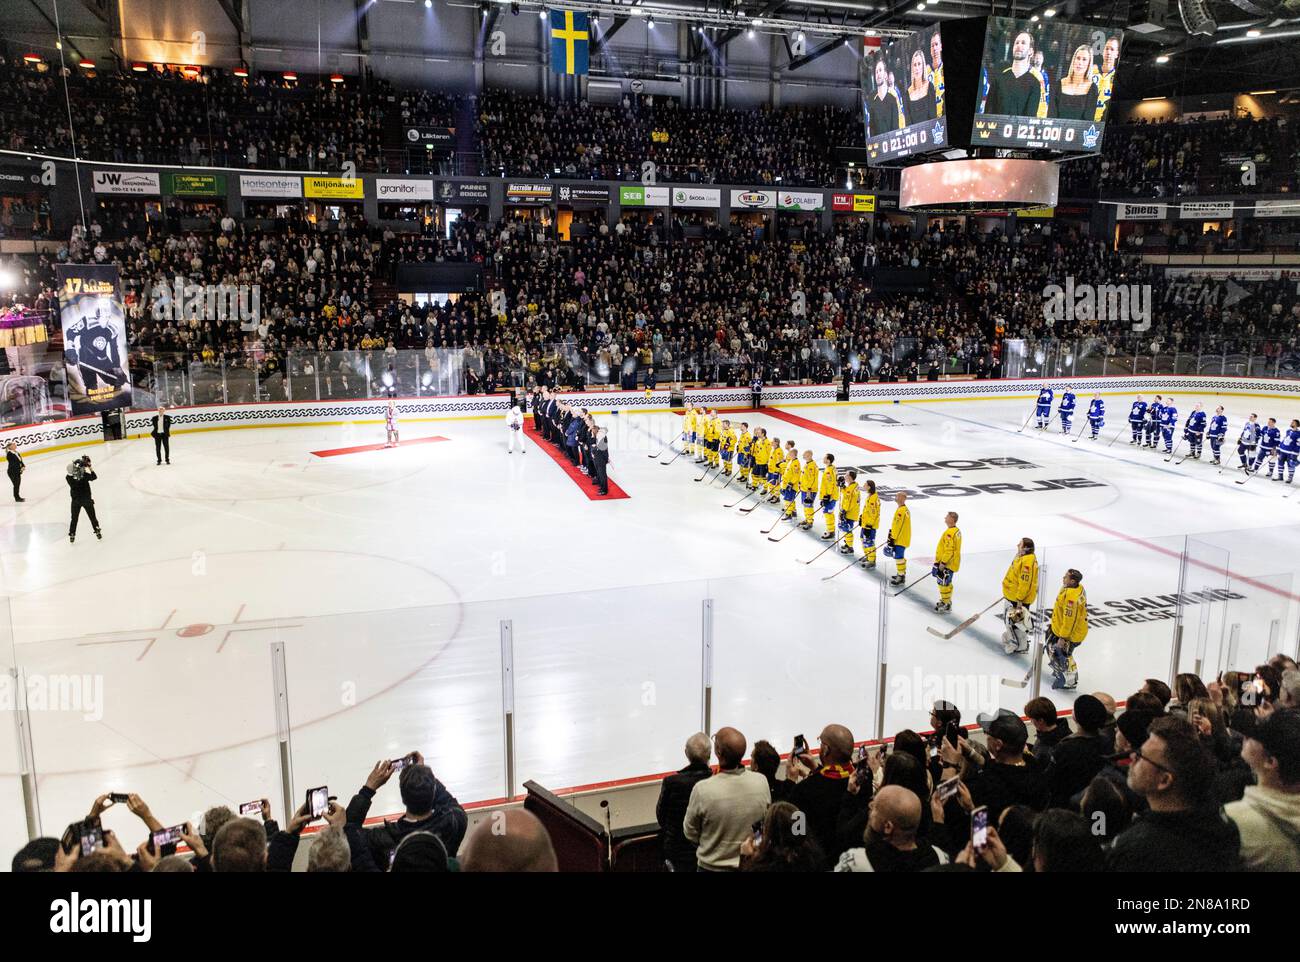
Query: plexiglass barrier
x=590, y=687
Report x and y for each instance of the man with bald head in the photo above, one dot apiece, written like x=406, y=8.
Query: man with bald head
x=890, y=839
x=513, y=840
x=724, y=807
x=822, y=786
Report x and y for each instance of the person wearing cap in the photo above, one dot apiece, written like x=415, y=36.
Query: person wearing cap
x=1130, y=733
x=1068, y=629
x=1006, y=777
x=1019, y=589
x=1268, y=815
x=1184, y=830
x=1080, y=756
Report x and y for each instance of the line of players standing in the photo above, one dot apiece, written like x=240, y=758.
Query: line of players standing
x=780, y=474
x=1152, y=422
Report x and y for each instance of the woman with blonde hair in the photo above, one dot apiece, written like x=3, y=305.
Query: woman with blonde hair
x=920, y=92
x=1074, y=95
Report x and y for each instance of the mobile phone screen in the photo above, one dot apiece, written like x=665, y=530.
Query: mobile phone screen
x=91, y=838
x=168, y=836
x=251, y=808
x=948, y=789
x=979, y=828
x=399, y=763
x=318, y=801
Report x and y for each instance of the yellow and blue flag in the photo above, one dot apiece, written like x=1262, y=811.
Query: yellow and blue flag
x=570, y=36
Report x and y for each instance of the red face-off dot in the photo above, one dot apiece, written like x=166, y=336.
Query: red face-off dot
x=193, y=631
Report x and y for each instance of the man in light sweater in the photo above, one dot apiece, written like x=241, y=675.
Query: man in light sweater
x=1268, y=816
x=724, y=807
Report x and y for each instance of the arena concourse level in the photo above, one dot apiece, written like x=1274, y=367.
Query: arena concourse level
x=668, y=437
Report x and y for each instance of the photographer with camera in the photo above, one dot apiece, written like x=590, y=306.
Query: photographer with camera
x=80, y=474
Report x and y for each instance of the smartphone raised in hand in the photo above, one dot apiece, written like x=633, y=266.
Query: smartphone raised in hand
x=91, y=836
x=119, y=798
x=979, y=828
x=800, y=746
x=318, y=801
x=947, y=789
x=167, y=836
x=251, y=808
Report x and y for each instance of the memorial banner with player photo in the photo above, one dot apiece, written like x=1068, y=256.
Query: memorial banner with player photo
x=903, y=97
x=94, y=337
x=1045, y=85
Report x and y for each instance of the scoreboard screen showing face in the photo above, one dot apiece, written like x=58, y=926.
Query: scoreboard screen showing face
x=1045, y=86
x=903, y=97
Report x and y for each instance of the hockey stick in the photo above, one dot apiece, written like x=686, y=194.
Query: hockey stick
x=762, y=499
x=823, y=551
x=1033, y=661
x=1174, y=451
x=1249, y=473
x=707, y=470
x=1027, y=420
x=1080, y=434
x=793, y=528
x=1116, y=437
x=729, y=477
x=779, y=519
x=842, y=570
x=913, y=584
x=674, y=458
x=741, y=501
x=963, y=626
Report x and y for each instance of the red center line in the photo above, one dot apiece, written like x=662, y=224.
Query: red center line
x=1261, y=585
x=826, y=430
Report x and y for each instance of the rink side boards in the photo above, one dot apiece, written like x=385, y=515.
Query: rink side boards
x=53, y=436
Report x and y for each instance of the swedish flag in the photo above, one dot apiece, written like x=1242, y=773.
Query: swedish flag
x=569, y=39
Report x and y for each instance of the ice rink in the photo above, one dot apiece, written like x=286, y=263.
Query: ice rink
x=387, y=574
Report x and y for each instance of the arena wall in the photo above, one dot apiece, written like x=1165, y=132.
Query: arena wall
x=76, y=432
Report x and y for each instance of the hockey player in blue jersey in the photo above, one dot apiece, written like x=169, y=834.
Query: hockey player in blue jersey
x=1168, y=424
x=1194, y=431
x=1288, y=451
x=1247, y=442
x=1269, y=438
x=1043, y=412
x=1155, y=415
x=1217, y=432
x=1137, y=416
x=1096, y=415
x=1066, y=410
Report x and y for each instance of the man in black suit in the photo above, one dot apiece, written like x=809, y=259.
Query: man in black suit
x=162, y=434
x=674, y=797
x=600, y=461
x=16, y=468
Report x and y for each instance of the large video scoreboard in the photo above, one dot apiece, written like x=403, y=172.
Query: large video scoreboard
x=1041, y=89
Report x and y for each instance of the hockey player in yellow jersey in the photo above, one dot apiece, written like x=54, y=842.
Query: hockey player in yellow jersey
x=744, y=447
x=775, y=466
x=808, y=479
x=1019, y=589
x=713, y=432
x=900, y=538
x=688, y=428
x=790, y=475
x=1068, y=629
x=758, y=454
x=870, y=521
x=829, y=494
x=947, y=561
x=727, y=446
x=849, y=510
